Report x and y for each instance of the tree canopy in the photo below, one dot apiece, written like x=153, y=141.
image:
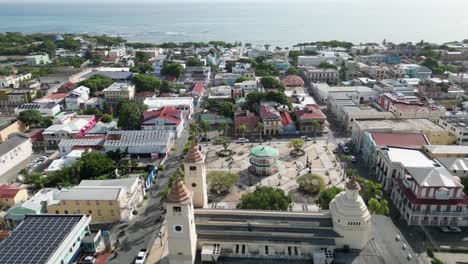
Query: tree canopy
x=276, y=96
x=96, y=83
x=30, y=117
x=93, y=164
x=221, y=181
x=326, y=65
x=296, y=144
x=146, y=83
x=173, y=69
x=194, y=62
x=377, y=207
x=325, y=196
x=265, y=198
x=131, y=115
x=311, y=183
x=269, y=82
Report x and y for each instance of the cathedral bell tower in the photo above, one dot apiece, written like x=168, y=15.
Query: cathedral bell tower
x=195, y=176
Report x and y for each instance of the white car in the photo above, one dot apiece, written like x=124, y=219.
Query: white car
x=242, y=140
x=141, y=257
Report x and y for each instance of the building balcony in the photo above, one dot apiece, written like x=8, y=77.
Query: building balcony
x=439, y=214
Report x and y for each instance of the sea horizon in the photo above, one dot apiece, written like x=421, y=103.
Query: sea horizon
x=357, y=21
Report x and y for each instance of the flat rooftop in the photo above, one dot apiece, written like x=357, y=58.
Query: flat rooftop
x=447, y=149
x=409, y=157
x=402, y=125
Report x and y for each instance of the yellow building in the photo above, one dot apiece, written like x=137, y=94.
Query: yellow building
x=108, y=201
x=9, y=129
x=446, y=151
x=101, y=203
x=10, y=196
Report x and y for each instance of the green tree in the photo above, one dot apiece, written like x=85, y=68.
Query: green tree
x=142, y=68
x=227, y=109
x=146, y=83
x=131, y=115
x=173, y=69
x=296, y=144
x=221, y=181
x=166, y=87
x=195, y=131
x=205, y=127
x=325, y=197
x=93, y=111
x=48, y=47
x=430, y=63
x=376, y=207
x=311, y=183
x=96, y=83
x=242, y=79
x=292, y=71
x=106, y=118
x=269, y=82
x=265, y=198
x=93, y=164
x=224, y=126
x=241, y=129
x=465, y=184
x=193, y=62
x=30, y=117
x=69, y=43
x=437, y=261
x=260, y=127
x=223, y=141
x=371, y=190
x=142, y=57
x=326, y=65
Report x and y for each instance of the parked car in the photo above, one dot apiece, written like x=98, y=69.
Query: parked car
x=450, y=229
x=242, y=140
x=305, y=138
x=352, y=158
x=89, y=260
x=141, y=257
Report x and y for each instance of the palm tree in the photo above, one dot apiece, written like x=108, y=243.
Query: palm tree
x=260, y=128
x=204, y=127
x=224, y=126
x=195, y=131
x=241, y=129
x=315, y=126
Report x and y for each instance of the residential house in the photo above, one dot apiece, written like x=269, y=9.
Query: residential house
x=308, y=116
x=158, y=63
x=166, y=118
x=196, y=90
x=416, y=71
x=287, y=124
x=71, y=128
x=76, y=98
x=271, y=120
x=241, y=89
x=458, y=78
x=280, y=64
x=247, y=118
x=38, y=59
x=225, y=78
x=13, y=81
x=220, y=94
x=457, y=126
x=378, y=72
x=198, y=74
x=16, y=149
x=10, y=195
x=10, y=126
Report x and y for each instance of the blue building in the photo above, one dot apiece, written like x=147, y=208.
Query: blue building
x=392, y=59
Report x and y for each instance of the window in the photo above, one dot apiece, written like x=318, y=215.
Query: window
x=289, y=251
x=78, y=211
x=266, y=250
x=194, y=185
x=177, y=209
x=243, y=249
x=111, y=203
x=296, y=252
x=98, y=203
x=66, y=211
x=237, y=249
x=77, y=202
x=193, y=168
x=178, y=228
x=99, y=212
x=90, y=212
x=112, y=212
x=57, y=212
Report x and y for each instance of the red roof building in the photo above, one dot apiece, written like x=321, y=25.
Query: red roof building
x=163, y=119
x=197, y=89
x=10, y=195
x=249, y=119
x=292, y=81
x=404, y=140
x=307, y=116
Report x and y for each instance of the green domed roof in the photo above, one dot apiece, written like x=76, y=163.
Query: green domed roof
x=263, y=151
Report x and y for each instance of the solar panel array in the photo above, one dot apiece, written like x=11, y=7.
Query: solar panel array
x=36, y=239
x=29, y=106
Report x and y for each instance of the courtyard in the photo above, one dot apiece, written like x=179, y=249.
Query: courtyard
x=319, y=155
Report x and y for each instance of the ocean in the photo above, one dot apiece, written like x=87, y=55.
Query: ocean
x=280, y=23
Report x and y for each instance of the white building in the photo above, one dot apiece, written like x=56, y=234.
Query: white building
x=76, y=126
x=166, y=118
x=119, y=91
x=13, y=81
x=457, y=126
x=320, y=75
x=184, y=104
x=46, y=109
x=220, y=94
x=77, y=98
x=69, y=160
x=459, y=78
x=140, y=141
x=322, y=90
x=324, y=56
x=16, y=149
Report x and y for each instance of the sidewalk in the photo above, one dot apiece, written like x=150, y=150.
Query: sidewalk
x=159, y=249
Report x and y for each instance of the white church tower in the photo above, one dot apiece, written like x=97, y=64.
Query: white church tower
x=195, y=176
x=182, y=236
x=351, y=219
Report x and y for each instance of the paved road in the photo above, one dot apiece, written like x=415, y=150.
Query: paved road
x=143, y=230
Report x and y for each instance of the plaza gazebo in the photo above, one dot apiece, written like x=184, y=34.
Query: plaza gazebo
x=263, y=160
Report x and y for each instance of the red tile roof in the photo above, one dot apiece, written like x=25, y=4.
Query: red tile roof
x=57, y=96
x=311, y=112
x=285, y=118
x=144, y=94
x=292, y=80
x=266, y=113
x=250, y=120
x=404, y=140
x=8, y=192
x=198, y=88
x=167, y=113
